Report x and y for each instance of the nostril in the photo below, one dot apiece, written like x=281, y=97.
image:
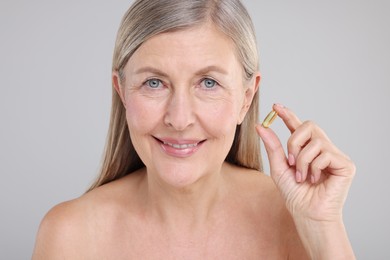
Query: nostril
x=180, y=117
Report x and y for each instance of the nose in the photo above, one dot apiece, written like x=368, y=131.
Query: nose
x=180, y=111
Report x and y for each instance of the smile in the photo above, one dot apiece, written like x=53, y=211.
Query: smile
x=181, y=146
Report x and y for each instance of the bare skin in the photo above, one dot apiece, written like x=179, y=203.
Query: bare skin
x=188, y=203
x=248, y=220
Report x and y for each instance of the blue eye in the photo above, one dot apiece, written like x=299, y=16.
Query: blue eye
x=153, y=83
x=209, y=83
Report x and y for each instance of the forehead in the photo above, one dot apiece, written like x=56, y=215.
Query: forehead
x=196, y=46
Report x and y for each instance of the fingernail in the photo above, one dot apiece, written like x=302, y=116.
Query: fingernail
x=298, y=176
x=291, y=159
x=279, y=105
x=258, y=128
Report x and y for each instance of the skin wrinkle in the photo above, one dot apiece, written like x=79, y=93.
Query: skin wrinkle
x=224, y=92
x=186, y=186
x=182, y=89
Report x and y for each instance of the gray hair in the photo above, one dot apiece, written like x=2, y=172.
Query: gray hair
x=147, y=18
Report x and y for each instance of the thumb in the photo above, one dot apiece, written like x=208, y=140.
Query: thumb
x=276, y=156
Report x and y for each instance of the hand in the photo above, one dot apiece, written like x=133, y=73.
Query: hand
x=315, y=177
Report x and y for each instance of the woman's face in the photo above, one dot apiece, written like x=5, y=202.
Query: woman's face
x=184, y=95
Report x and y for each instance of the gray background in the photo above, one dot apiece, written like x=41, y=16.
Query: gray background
x=327, y=60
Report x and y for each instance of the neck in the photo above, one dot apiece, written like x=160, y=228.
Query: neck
x=187, y=207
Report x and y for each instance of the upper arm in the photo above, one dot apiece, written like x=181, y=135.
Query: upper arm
x=56, y=238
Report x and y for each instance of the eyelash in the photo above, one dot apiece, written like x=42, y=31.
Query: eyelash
x=202, y=83
x=147, y=83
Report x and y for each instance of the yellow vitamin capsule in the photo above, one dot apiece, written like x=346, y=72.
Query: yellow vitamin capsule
x=269, y=119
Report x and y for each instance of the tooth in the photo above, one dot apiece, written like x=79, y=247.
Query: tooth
x=181, y=146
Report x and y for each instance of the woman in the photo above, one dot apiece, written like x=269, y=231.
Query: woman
x=181, y=173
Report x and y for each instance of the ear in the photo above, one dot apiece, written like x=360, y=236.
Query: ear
x=116, y=82
x=250, y=92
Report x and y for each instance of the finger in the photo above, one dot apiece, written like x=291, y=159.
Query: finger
x=289, y=118
x=276, y=156
x=298, y=139
x=322, y=162
x=302, y=136
x=332, y=164
x=306, y=157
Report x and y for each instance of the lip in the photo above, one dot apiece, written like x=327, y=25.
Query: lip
x=179, y=147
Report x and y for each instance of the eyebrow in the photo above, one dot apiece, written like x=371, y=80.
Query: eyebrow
x=212, y=68
x=152, y=70
x=199, y=72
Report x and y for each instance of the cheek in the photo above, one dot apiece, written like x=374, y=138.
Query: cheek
x=141, y=116
x=220, y=117
x=224, y=110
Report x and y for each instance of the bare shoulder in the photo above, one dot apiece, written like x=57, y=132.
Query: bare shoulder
x=268, y=210
x=70, y=228
x=56, y=237
x=253, y=183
